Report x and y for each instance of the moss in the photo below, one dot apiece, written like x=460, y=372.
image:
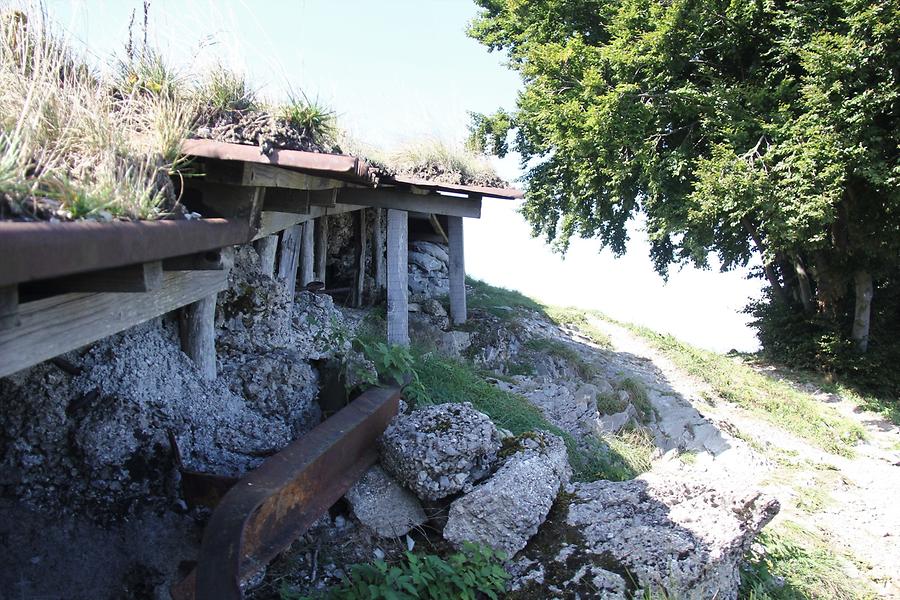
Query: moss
x=511, y=445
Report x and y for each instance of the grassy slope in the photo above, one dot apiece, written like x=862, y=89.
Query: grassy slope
x=777, y=401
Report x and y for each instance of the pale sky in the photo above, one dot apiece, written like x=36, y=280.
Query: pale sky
x=403, y=69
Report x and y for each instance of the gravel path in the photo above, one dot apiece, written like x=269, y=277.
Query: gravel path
x=853, y=502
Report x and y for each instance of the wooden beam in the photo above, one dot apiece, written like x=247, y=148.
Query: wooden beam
x=397, y=278
x=55, y=325
x=307, y=253
x=432, y=203
x=198, y=334
x=436, y=225
x=204, y=261
x=287, y=200
x=267, y=248
x=274, y=222
x=9, y=306
x=223, y=200
x=288, y=258
x=321, y=242
x=378, y=251
x=360, y=259
x=146, y=277
x=457, y=270
x=270, y=176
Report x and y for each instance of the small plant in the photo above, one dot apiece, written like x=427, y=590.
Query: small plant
x=637, y=392
x=319, y=121
x=394, y=364
x=475, y=572
x=224, y=90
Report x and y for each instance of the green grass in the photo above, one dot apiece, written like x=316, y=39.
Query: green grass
x=449, y=380
x=774, y=400
x=609, y=403
x=804, y=561
x=578, y=319
x=498, y=301
x=564, y=352
x=313, y=116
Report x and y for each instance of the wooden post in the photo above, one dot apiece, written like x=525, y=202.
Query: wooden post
x=306, y=254
x=457, y=270
x=321, y=241
x=198, y=335
x=9, y=306
x=378, y=252
x=289, y=256
x=266, y=248
x=397, y=278
x=360, y=259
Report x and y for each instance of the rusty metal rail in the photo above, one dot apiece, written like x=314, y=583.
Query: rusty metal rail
x=270, y=507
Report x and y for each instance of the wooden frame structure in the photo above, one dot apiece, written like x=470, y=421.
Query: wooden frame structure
x=112, y=276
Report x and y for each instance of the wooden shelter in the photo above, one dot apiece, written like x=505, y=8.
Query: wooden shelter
x=64, y=285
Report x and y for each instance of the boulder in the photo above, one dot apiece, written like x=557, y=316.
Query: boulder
x=382, y=505
x=652, y=535
x=440, y=450
x=617, y=422
x=507, y=509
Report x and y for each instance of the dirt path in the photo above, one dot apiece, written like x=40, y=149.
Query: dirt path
x=853, y=502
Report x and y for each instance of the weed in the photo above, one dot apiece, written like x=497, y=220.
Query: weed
x=436, y=160
x=312, y=116
x=635, y=447
x=774, y=400
x=476, y=572
x=223, y=90
x=637, y=393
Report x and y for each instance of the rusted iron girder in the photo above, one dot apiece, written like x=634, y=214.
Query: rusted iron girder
x=269, y=508
x=34, y=251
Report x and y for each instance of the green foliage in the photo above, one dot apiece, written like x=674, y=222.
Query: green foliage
x=789, y=562
x=312, y=116
x=734, y=128
x=395, y=364
x=637, y=391
x=476, y=572
x=772, y=399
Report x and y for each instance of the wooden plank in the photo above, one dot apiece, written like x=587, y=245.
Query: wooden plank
x=432, y=203
x=361, y=243
x=378, y=251
x=287, y=200
x=58, y=324
x=289, y=257
x=145, y=277
x=267, y=248
x=397, y=278
x=457, y=270
x=436, y=225
x=9, y=306
x=198, y=334
x=307, y=248
x=274, y=222
x=272, y=176
x=225, y=200
x=204, y=261
x=321, y=242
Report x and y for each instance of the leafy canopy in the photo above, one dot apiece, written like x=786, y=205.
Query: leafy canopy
x=734, y=126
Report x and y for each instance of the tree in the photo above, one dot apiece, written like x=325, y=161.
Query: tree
x=736, y=127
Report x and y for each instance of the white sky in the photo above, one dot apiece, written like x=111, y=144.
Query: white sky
x=402, y=69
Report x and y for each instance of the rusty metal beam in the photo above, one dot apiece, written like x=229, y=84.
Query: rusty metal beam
x=269, y=508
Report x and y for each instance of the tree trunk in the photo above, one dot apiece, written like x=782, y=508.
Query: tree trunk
x=767, y=266
x=805, y=287
x=862, y=311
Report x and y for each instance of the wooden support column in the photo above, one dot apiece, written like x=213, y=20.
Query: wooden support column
x=457, y=270
x=397, y=278
x=378, y=251
x=198, y=334
x=360, y=259
x=321, y=241
x=9, y=306
x=289, y=257
x=306, y=254
x=266, y=248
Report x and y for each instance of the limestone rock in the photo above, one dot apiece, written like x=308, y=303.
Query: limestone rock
x=440, y=450
x=382, y=505
x=616, y=422
x=428, y=270
x=655, y=534
x=507, y=509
